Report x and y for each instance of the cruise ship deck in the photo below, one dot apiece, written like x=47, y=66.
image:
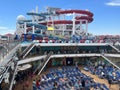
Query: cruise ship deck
x=55, y=53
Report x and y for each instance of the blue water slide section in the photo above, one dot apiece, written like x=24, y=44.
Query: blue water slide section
x=30, y=23
x=40, y=26
x=37, y=25
x=37, y=14
x=38, y=31
x=43, y=15
x=22, y=21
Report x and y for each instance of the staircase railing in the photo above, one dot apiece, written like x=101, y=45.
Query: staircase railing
x=15, y=70
x=43, y=64
x=9, y=56
x=110, y=61
x=117, y=46
x=114, y=48
x=27, y=50
x=6, y=48
x=3, y=73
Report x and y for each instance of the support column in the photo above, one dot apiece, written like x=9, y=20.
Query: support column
x=58, y=17
x=37, y=17
x=80, y=25
x=73, y=24
x=64, y=29
x=63, y=17
x=33, y=28
x=64, y=26
x=52, y=17
x=25, y=36
x=52, y=24
x=33, y=34
x=86, y=27
x=41, y=31
x=17, y=32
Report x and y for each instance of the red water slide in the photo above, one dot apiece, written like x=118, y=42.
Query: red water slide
x=88, y=13
x=84, y=15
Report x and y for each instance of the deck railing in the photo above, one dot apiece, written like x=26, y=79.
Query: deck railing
x=43, y=63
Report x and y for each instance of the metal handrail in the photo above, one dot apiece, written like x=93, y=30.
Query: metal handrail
x=45, y=62
x=102, y=55
x=11, y=84
x=27, y=50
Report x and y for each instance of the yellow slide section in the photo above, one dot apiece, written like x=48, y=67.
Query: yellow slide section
x=50, y=28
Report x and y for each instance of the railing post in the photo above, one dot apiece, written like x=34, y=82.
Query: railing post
x=11, y=84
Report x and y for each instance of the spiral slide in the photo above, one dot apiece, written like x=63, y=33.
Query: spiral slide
x=42, y=16
x=84, y=15
x=36, y=25
x=39, y=26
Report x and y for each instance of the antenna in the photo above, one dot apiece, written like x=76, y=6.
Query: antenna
x=37, y=9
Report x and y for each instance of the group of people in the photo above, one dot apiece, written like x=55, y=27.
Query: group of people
x=66, y=78
x=105, y=71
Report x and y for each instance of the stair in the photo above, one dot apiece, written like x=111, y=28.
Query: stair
x=110, y=61
x=4, y=70
x=43, y=64
x=9, y=56
x=27, y=50
x=114, y=47
x=13, y=77
x=117, y=46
